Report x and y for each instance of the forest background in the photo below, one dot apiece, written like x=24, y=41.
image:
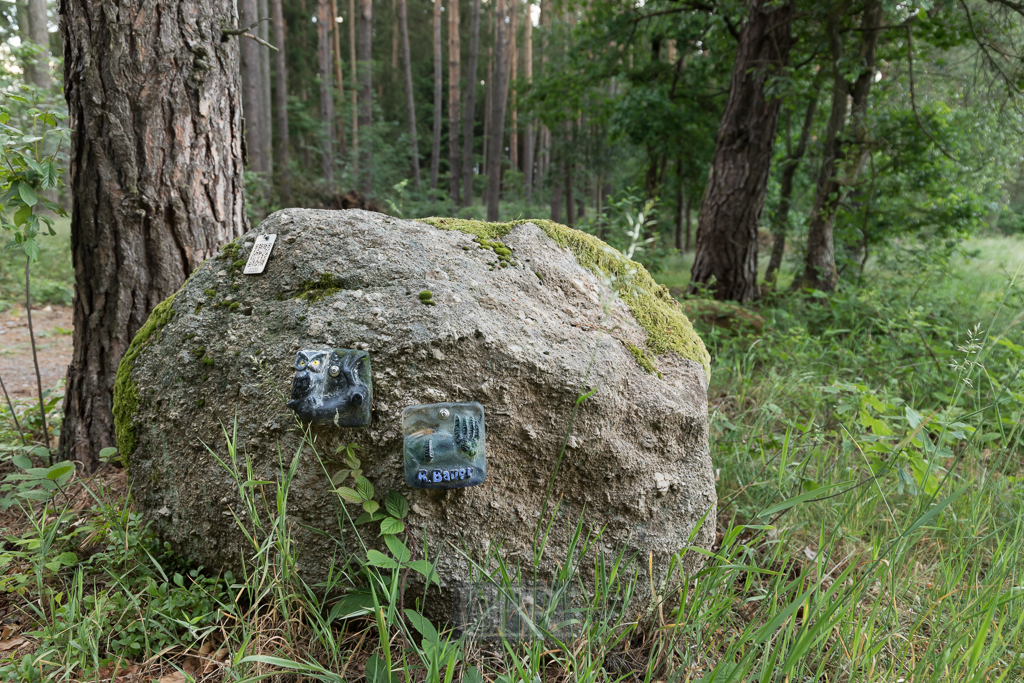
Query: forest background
x=851, y=173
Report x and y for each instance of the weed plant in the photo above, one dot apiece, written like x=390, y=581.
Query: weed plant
x=868, y=455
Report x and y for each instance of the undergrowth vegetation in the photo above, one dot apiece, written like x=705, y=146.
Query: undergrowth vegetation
x=869, y=466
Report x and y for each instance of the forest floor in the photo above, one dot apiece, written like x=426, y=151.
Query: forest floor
x=870, y=472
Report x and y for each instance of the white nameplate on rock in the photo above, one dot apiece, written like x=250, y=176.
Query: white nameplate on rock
x=260, y=254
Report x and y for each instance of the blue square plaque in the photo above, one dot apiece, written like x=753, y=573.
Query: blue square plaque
x=444, y=445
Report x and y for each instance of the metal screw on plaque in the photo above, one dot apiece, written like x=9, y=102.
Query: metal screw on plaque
x=444, y=445
x=332, y=386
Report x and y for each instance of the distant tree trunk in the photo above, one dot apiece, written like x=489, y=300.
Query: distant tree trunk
x=726, y=257
x=513, y=59
x=820, y=265
x=568, y=160
x=488, y=107
x=352, y=21
x=793, y=157
x=39, y=34
x=284, y=171
x=497, y=135
x=338, y=76
x=469, y=115
x=153, y=136
x=453, y=101
x=529, y=142
x=252, y=87
x=556, y=200
x=435, y=147
x=266, y=109
x=395, y=31
x=680, y=201
x=410, y=102
x=326, y=96
x=365, y=93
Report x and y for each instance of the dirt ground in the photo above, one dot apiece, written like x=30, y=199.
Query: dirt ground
x=52, y=326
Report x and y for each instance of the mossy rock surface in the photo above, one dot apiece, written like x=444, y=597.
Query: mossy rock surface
x=565, y=315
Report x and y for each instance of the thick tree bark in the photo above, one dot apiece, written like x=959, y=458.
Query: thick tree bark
x=365, y=93
x=820, y=265
x=281, y=85
x=470, y=112
x=39, y=34
x=499, y=91
x=793, y=156
x=410, y=101
x=454, y=109
x=156, y=176
x=529, y=133
x=435, y=146
x=252, y=88
x=726, y=257
x=324, y=66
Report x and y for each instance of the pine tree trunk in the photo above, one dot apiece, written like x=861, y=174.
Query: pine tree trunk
x=266, y=109
x=529, y=133
x=365, y=93
x=39, y=34
x=252, y=87
x=410, y=102
x=781, y=224
x=352, y=21
x=726, y=257
x=339, y=77
x=326, y=96
x=499, y=91
x=488, y=107
x=281, y=85
x=469, y=116
x=556, y=200
x=513, y=58
x=820, y=265
x=156, y=176
x=435, y=147
x=454, y=110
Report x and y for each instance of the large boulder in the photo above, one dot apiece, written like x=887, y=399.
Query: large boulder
x=522, y=317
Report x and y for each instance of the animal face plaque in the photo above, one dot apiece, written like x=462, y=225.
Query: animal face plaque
x=332, y=387
x=444, y=445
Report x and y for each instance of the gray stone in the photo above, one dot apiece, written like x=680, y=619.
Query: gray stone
x=524, y=337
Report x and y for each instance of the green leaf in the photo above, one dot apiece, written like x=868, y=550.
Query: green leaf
x=426, y=568
x=398, y=549
x=423, y=625
x=60, y=469
x=390, y=525
x=472, y=675
x=28, y=195
x=349, y=495
x=377, y=671
x=340, y=476
x=354, y=604
x=376, y=558
x=367, y=517
x=396, y=504
x=22, y=461
x=22, y=214
x=371, y=506
x=107, y=453
x=364, y=487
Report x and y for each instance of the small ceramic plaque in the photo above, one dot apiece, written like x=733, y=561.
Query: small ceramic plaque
x=445, y=445
x=332, y=387
x=259, y=255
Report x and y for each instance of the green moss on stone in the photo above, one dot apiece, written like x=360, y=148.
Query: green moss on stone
x=199, y=351
x=210, y=292
x=642, y=360
x=207, y=360
x=234, y=306
x=426, y=295
x=126, y=393
x=324, y=286
x=667, y=327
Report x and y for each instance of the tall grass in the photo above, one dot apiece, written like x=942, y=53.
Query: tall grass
x=868, y=455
